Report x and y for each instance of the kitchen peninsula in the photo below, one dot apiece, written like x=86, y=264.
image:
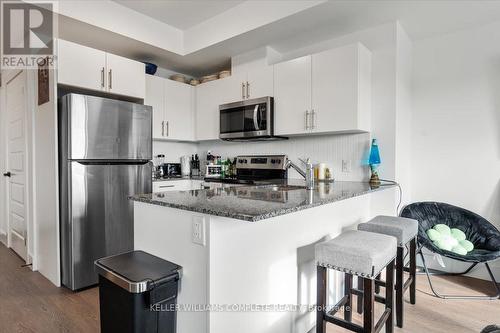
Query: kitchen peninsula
x=244, y=247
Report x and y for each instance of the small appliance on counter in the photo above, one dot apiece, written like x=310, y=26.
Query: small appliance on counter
x=185, y=166
x=213, y=171
x=195, y=166
x=159, y=160
x=171, y=170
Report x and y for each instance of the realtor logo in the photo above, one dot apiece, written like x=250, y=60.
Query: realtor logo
x=28, y=31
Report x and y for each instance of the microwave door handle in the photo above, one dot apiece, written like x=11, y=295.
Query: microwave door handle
x=255, y=115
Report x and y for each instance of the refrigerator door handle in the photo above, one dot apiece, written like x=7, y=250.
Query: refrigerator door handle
x=115, y=162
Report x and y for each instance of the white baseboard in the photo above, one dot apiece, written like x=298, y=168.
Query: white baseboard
x=3, y=237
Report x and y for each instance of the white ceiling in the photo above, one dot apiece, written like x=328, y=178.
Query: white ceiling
x=182, y=14
x=332, y=19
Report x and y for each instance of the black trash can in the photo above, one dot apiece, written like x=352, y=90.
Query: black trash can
x=137, y=293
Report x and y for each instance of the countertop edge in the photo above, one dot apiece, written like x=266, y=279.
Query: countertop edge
x=249, y=218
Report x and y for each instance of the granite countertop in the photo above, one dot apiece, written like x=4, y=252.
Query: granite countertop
x=255, y=203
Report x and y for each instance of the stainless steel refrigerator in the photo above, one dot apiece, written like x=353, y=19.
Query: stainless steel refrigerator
x=105, y=149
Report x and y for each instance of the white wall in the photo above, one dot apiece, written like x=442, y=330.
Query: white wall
x=402, y=139
x=46, y=192
x=456, y=120
x=3, y=188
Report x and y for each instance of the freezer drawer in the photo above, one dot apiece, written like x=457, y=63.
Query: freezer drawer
x=105, y=129
x=96, y=216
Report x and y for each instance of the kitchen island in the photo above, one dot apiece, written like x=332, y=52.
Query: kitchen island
x=247, y=252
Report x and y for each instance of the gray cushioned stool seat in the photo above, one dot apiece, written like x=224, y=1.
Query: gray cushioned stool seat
x=404, y=229
x=356, y=252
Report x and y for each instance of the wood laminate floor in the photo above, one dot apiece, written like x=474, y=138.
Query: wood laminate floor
x=30, y=303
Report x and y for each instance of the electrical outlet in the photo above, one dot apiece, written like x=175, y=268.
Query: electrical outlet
x=346, y=166
x=198, y=230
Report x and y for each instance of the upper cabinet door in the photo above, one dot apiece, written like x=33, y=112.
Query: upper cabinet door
x=260, y=82
x=207, y=111
x=155, y=96
x=292, y=96
x=341, y=89
x=208, y=98
x=81, y=66
x=179, y=116
x=125, y=77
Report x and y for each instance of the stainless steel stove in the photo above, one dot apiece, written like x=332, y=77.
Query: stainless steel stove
x=257, y=169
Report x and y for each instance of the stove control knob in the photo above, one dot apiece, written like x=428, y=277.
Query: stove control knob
x=273, y=161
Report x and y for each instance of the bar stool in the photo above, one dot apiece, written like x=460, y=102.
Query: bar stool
x=405, y=230
x=365, y=255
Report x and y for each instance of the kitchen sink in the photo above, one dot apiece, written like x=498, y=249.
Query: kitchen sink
x=284, y=187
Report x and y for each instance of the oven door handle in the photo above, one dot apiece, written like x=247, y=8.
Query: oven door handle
x=255, y=115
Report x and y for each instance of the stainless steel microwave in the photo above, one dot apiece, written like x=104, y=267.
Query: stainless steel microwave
x=251, y=119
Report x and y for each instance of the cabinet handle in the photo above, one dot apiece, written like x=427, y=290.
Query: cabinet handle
x=110, y=79
x=167, y=129
x=313, y=119
x=307, y=120
x=163, y=128
x=165, y=186
x=102, y=77
x=242, y=90
x=248, y=90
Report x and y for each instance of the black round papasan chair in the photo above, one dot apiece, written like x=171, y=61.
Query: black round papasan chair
x=484, y=235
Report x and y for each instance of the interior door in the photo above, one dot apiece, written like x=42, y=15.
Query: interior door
x=292, y=96
x=16, y=163
x=98, y=218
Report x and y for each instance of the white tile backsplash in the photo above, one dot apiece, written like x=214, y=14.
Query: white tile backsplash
x=174, y=150
x=330, y=149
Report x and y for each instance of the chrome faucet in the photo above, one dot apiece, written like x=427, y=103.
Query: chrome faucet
x=308, y=174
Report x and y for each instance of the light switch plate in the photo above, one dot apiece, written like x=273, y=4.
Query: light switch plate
x=198, y=230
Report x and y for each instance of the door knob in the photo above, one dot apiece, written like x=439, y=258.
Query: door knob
x=7, y=174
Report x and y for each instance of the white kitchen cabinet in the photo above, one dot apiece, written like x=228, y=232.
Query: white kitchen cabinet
x=173, y=108
x=260, y=82
x=155, y=97
x=341, y=90
x=326, y=92
x=254, y=81
x=81, y=66
x=292, y=96
x=125, y=76
x=208, y=98
x=88, y=68
x=179, y=108
x=176, y=185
